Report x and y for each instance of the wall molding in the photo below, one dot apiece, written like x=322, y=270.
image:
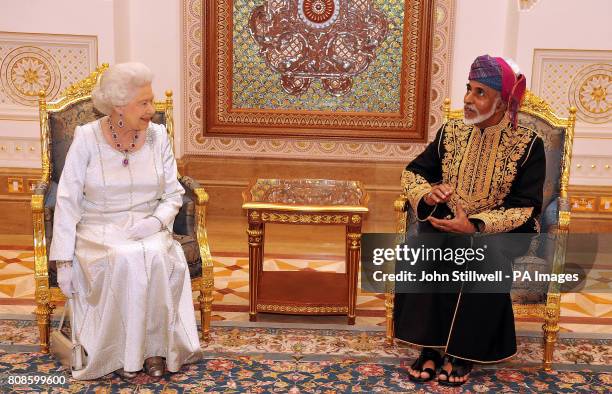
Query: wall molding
x=30, y=62
x=23, y=152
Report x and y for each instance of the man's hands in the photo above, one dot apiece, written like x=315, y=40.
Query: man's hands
x=439, y=194
x=459, y=224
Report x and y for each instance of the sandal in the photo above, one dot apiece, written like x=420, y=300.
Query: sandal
x=427, y=354
x=460, y=368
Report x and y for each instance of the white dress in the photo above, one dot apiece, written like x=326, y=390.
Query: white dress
x=133, y=298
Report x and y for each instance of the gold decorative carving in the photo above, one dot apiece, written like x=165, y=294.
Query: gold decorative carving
x=301, y=309
x=79, y=90
x=354, y=240
x=255, y=236
x=590, y=92
x=303, y=218
x=551, y=328
x=356, y=219
x=26, y=70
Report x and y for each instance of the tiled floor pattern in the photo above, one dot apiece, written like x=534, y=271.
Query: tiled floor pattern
x=581, y=312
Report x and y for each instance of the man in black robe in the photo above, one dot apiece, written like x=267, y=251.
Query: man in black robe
x=483, y=174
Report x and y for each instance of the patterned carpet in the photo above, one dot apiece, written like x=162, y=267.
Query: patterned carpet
x=280, y=356
x=244, y=374
x=262, y=360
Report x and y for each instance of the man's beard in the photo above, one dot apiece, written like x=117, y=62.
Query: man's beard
x=479, y=118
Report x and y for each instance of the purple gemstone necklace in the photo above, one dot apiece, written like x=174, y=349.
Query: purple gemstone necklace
x=118, y=145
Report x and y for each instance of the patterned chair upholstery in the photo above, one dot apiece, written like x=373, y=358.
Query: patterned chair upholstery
x=58, y=121
x=557, y=134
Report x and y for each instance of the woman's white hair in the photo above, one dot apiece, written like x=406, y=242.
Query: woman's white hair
x=119, y=84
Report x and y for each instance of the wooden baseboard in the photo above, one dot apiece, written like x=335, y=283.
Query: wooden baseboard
x=226, y=178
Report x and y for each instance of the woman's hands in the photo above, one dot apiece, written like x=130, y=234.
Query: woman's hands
x=64, y=277
x=144, y=228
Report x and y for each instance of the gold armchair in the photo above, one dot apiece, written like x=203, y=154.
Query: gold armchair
x=557, y=134
x=58, y=120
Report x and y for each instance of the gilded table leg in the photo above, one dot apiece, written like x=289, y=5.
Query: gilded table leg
x=353, y=239
x=255, y=233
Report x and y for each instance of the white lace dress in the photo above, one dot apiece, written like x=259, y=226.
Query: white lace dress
x=133, y=298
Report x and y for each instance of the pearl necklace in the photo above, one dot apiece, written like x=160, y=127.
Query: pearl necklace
x=118, y=145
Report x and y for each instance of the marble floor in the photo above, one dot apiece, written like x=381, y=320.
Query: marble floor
x=581, y=313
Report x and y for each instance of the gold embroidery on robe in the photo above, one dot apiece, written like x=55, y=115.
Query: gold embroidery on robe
x=481, y=165
x=415, y=187
x=503, y=220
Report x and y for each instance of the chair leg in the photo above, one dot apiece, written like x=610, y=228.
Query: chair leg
x=551, y=329
x=43, y=316
x=389, y=299
x=205, y=300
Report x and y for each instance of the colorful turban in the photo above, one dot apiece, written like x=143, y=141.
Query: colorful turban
x=499, y=74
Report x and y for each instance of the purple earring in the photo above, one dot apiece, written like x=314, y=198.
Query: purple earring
x=120, y=121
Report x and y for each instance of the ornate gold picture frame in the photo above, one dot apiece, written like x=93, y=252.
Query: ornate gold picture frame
x=356, y=69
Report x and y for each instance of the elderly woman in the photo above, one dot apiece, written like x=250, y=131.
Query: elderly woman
x=116, y=202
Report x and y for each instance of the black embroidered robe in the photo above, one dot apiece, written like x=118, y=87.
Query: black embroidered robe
x=498, y=176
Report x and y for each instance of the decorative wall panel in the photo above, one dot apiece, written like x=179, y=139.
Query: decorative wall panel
x=578, y=78
x=282, y=41
x=312, y=147
x=33, y=62
x=20, y=152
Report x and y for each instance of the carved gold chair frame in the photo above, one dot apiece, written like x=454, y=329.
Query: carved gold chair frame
x=48, y=296
x=549, y=311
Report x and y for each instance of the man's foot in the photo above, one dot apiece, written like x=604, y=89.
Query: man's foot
x=155, y=366
x=455, y=371
x=125, y=374
x=424, y=368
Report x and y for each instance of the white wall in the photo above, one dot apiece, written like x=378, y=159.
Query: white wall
x=480, y=28
x=151, y=34
x=137, y=30
x=563, y=24
x=90, y=17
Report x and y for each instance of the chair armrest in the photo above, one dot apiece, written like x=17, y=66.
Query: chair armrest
x=41, y=234
x=400, y=206
x=194, y=190
x=200, y=198
x=185, y=221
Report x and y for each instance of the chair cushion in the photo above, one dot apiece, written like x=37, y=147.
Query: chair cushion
x=192, y=254
x=62, y=125
x=554, y=140
x=190, y=248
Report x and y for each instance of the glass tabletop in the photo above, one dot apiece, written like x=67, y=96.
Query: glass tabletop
x=323, y=192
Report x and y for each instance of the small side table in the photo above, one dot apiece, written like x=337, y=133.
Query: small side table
x=304, y=201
